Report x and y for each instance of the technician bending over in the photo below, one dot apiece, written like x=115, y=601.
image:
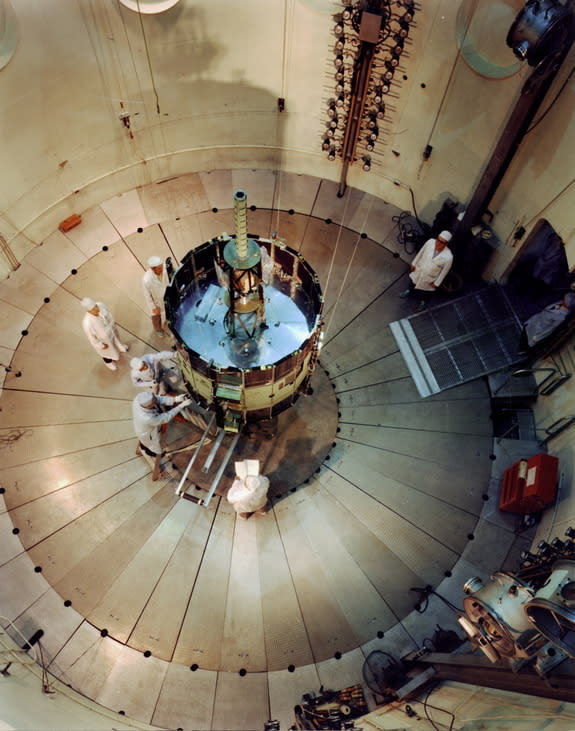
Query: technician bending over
x=157, y=372
x=148, y=411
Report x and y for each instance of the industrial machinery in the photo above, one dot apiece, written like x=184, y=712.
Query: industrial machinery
x=529, y=616
x=541, y=34
x=540, y=28
x=246, y=313
x=371, y=39
x=331, y=709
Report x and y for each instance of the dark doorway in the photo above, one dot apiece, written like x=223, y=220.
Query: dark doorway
x=540, y=275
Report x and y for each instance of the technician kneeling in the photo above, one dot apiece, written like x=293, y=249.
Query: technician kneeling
x=249, y=495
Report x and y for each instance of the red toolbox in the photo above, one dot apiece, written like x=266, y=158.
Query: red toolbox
x=529, y=484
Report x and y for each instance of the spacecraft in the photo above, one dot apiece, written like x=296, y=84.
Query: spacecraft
x=246, y=314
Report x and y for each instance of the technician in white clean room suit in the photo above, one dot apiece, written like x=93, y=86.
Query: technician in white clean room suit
x=157, y=372
x=430, y=267
x=149, y=413
x=100, y=329
x=249, y=495
x=154, y=283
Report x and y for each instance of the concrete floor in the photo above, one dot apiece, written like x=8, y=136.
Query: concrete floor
x=188, y=617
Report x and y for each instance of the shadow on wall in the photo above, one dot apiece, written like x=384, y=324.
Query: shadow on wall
x=549, y=145
x=433, y=207
x=177, y=41
x=181, y=46
x=180, y=38
x=161, y=108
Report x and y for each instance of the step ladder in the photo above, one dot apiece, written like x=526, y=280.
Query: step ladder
x=208, y=461
x=13, y=657
x=11, y=654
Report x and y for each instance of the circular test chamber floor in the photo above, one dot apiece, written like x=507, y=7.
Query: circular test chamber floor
x=185, y=616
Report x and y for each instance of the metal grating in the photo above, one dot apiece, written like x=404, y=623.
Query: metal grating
x=460, y=340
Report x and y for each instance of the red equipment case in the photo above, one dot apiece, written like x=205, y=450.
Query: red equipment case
x=529, y=484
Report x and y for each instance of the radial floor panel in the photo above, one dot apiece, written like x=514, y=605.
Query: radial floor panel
x=184, y=616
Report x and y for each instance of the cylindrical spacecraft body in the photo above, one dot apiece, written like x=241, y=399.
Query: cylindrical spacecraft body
x=247, y=336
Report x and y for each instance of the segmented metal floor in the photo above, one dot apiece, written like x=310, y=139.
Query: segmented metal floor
x=182, y=616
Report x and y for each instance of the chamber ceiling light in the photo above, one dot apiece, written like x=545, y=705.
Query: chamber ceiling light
x=149, y=7
x=8, y=32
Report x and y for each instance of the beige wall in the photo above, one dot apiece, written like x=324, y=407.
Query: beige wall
x=218, y=69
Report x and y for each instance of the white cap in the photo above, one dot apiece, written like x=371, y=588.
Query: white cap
x=145, y=398
x=445, y=235
x=136, y=363
x=87, y=303
x=252, y=482
x=155, y=261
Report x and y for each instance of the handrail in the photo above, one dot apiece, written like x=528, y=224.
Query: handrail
x=554, y=384
x=17, y=631
x=548, y=429
x=554, y=430
x=528, y=372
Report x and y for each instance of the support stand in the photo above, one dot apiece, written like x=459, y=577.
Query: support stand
x=221, y=433
x=180, y=488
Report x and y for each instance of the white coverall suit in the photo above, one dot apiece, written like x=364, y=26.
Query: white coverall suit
x=147, y=422
x=154, y=287
x=429, y=269
x=101, y=332
x=250, y=494
x=162, y=374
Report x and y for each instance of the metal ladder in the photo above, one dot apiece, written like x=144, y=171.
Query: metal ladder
x=217, y=443
x=14, y=655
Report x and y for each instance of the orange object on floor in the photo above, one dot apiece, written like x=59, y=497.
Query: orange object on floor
x=529, y=484
x=68, y=223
